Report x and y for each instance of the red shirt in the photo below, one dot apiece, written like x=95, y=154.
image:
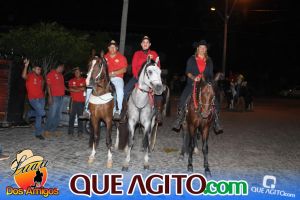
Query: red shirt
x=56, y=83
x=201, y=63
x=116, y=63
x=77, y=96
x=139, y=58
x=34, y=86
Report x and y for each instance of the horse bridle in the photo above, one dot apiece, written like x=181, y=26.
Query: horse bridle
x=211, y=104
x=98, y=77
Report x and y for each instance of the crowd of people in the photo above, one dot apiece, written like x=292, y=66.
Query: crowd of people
x=199, y=66
x=81, y=88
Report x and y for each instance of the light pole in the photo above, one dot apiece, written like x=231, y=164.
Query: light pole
x=123, y=26
x=225, y=19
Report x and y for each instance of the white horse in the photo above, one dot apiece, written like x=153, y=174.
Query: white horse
x=141, y=111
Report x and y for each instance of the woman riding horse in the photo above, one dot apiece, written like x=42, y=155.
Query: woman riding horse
x=199, y=66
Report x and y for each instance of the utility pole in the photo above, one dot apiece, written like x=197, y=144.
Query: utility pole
x=123, y=26
x=226, y=18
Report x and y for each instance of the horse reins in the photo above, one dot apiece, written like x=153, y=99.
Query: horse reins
x=199, y=105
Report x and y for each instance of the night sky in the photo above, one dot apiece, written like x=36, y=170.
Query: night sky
x=263, y=38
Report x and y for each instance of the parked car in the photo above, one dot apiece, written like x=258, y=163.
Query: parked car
x=291, y=92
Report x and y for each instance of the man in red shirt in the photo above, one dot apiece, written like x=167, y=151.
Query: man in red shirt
x=76, y=88
x=117, y=66
x=139, y=58
x=56, y=92
x=36, y=97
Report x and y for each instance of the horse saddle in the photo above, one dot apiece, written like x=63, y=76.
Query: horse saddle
x=103, y=99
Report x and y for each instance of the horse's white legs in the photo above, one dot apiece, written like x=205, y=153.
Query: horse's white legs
x=117, y=139
x=146, y=159
x=131, y=124
x=92, y=156
x=109, y=159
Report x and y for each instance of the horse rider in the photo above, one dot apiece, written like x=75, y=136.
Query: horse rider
x=117, y=67
x=198, y=66
x=139, y=58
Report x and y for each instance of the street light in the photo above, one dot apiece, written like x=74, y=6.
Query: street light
x=225, y=19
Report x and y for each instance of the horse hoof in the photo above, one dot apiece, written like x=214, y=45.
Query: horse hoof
x=91, y=160
x=196, y=151
x=207, y=173
x=125, y=169
x=181, y=157
x=109, y=164
x=190, y=168
x=146, y=167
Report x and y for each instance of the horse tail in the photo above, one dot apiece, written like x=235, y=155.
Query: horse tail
x=123, y=135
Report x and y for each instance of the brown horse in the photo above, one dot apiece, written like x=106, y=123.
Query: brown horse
x=199, y=118
x=101, y=106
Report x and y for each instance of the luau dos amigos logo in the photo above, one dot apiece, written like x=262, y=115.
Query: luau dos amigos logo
x=30, y=174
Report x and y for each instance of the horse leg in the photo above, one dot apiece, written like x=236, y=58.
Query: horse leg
x=117, y=137
x=147, y=138
x=131, y=126
x=95, y=124
x=205, y=150
x=109, y=142
x=185, y=137
x=191, y=147
x=196, y=150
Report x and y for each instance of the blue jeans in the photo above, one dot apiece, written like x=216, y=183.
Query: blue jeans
x=87, y=98
x=119, y=86
x=38, y=112
x=129, y=87
x=54, y=114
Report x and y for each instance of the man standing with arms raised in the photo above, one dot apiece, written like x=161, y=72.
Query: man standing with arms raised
x=36, y=96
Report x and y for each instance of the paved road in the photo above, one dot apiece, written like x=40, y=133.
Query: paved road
x=266, y=141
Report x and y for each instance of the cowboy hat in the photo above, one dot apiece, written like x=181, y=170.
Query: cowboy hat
x=202, y=42
x=25, y=157
x=112, y=42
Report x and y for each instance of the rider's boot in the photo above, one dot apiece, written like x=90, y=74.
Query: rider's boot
x=158, y=108
x=117, y=116
x=217, y=127
x=179, y=120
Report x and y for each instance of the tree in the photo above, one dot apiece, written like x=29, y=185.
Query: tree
x=48, y=43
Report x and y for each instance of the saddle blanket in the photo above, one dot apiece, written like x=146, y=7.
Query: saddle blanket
x=103, y=99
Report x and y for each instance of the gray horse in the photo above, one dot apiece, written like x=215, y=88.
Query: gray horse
x=141, y=111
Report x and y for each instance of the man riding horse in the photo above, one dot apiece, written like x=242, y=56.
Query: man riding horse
x=139, y=58
x=199, y=66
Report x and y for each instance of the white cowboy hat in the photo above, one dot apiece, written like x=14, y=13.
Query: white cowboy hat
x=25, y=157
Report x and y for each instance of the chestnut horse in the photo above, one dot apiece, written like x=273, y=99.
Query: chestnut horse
x=101, y=106
x=199, y=118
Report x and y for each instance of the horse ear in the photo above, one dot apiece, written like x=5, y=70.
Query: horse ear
x=148, y=59
x=102, y=53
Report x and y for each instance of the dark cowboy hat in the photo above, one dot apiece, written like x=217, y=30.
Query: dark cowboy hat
x=202, y=42
x=112, y=42
x=146, y=38
x=76, y=68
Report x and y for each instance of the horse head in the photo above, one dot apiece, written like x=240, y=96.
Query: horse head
x=206, y=99
x=100, y=73
x=151, y=77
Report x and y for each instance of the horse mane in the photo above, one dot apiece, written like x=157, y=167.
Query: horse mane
x=196, y=91
x=145, y=65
